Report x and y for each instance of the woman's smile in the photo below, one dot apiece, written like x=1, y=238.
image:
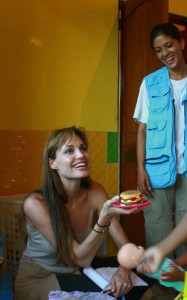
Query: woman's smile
x=72, y=159
x=168, y=50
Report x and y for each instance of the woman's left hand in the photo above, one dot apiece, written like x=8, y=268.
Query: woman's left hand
x=112, y=210
x=121, y=282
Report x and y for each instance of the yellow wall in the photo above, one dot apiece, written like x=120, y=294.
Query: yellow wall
x=178, y=7
x=59, y=64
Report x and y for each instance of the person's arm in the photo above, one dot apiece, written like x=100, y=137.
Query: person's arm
x=182, y=260
x=121, y=280
x=86, y=251
x=175, y=238
x=116, y=230
x=141, y=115
x=155, y=255
x=143, y=178
x=37, y=212
x=117, y=233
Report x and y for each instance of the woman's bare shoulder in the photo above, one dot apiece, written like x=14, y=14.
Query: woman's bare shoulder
x=33, y=201
x=36, y=210
x=97, y=193
x=96, y=187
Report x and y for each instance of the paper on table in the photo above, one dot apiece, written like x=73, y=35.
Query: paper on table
x=102, y=277
x=97, y=278
x=137, y=281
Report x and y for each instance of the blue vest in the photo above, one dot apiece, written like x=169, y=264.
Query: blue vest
x=160, y=160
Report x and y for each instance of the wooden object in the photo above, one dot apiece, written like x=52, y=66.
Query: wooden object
x=137, y=59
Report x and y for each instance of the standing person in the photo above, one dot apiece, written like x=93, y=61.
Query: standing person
x=59, y=218
x=161, y=138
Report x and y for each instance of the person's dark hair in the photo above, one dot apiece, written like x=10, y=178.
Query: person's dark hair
x=54, y=194
x=166, y=29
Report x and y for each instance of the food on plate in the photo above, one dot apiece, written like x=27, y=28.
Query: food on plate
x=131, y=197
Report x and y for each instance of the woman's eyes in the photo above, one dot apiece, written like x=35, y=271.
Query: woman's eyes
x=71, y=150
x=68, y=150
x=169, y=45
x=84, y=148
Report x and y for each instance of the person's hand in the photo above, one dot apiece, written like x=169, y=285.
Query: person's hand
x=109, y=209
x=121, y=282
x=173, y=275
x=144, y=183
x=153, y=258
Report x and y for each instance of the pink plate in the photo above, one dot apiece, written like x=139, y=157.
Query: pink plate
x=144, y=204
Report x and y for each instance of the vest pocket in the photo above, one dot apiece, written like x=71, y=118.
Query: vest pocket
x=158, y=169
x=159, y=99
x=156, y=135
x=161, y=174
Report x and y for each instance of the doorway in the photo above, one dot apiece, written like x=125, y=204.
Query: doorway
x=136, y=60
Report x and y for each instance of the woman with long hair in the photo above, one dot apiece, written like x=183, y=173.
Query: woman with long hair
x=61, y=236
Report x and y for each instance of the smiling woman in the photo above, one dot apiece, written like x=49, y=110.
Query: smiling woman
x=72, y=159
x=59, y=219
x=161, y=114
